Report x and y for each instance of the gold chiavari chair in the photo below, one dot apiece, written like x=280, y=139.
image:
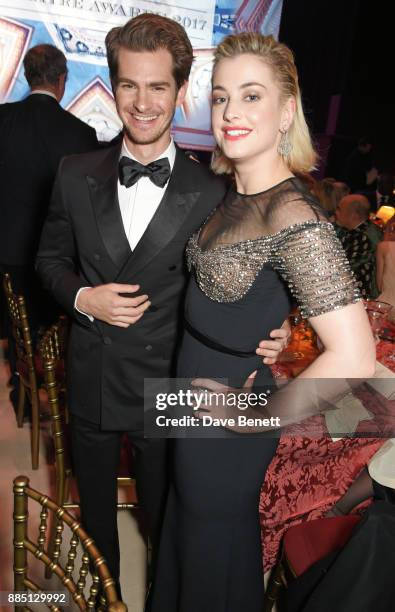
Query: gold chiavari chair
x=26, y=367
x=52, y=350
x=72, y=578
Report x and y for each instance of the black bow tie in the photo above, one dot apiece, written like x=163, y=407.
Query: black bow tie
x=157, y=171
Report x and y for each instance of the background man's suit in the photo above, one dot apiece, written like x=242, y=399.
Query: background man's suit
x=34, y=135
x=84, y=244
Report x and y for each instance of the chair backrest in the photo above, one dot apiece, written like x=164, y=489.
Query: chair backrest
x=92, y=563
x=53, y=343
x=52, y=348
x=21, y=332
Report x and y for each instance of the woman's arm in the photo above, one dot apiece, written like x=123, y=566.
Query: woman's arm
x=360, y=490
x=349, y=353
x=311, y=261
x=349, y=348
x=313, y=264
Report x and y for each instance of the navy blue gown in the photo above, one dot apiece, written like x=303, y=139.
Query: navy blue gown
x=245, y=259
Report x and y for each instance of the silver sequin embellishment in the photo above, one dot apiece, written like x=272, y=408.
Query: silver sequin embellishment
x=308, y=256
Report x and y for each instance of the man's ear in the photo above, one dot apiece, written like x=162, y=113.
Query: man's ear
x=61, y=86
x=182, y=92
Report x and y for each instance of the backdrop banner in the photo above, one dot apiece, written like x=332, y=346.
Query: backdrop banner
x=79, y=27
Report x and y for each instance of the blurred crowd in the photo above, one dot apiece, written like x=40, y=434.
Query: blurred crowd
x=361, y=208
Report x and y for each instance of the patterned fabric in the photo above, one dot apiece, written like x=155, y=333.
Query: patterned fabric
x=308, y=476
x=386, y=350
x=360, y=247
x=240, y=238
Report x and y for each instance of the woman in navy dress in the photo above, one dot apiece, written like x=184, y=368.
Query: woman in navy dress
x=266, y=242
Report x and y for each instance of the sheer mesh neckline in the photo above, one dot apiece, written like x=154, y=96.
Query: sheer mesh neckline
x=284, y=227
x=258, y=193
x=239, y=219
x=267, y=237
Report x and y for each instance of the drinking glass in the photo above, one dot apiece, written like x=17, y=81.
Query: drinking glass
x=377, y=312
x=293, y=351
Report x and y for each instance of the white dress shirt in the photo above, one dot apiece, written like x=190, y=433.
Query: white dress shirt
x=45, y=92
x=138, y=203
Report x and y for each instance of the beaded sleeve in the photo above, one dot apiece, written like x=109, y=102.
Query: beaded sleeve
x=311, y=260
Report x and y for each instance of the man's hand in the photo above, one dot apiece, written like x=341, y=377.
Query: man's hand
x=270, y=349
x=105, y=303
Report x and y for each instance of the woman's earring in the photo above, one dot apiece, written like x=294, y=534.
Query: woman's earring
x=284, y=146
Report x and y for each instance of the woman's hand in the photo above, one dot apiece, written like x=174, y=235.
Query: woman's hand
x=334, y=511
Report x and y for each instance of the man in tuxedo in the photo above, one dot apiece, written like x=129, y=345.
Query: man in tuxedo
x=35, y=134
x=112, y=253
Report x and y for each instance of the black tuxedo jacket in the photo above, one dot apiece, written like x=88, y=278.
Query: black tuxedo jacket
x=84, y=244
x=34, y=135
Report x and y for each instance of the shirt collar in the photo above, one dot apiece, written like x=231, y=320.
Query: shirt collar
x=170, y=153
x=352, y=229
x=45, y=92
x=359, y=226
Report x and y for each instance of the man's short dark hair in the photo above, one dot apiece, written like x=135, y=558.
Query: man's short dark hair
x=150, y=32
x=44, y=65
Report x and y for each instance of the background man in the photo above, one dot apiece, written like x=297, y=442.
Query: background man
x=113, y=248
x=360, y=172
x=359, y=238
x=34, y=135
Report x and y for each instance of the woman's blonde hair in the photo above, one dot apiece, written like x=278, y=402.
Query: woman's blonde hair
x=280, y=59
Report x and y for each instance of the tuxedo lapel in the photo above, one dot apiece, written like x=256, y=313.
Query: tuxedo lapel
x=103, y=188
x=175, y=206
